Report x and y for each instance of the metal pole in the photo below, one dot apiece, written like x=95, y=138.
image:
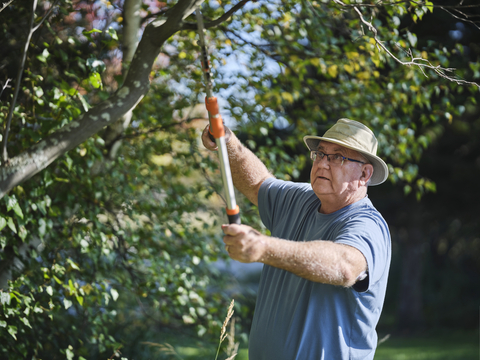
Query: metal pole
x=217, y=130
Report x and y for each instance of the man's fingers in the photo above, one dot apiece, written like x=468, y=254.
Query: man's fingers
x=243, y=243
x=233, y=229
x=207, y=142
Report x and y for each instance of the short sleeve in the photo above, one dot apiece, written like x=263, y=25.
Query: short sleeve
x=368, y=233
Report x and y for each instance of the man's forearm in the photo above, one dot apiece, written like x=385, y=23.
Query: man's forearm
x=319, y=261
x=248, y=172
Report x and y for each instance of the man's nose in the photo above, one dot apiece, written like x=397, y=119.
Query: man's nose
x=325, y=162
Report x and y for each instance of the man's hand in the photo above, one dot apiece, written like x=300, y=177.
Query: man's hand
x=244, y=244
x=208, y=143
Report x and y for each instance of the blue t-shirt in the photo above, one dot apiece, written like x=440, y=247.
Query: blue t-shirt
x=300, y=319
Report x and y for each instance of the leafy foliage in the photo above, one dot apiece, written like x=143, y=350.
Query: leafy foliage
x=91, y=243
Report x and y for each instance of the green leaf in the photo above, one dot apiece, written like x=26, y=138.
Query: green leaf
x=95, y=80
x=3, y=323
x=95, y=64
x=48, y=179
x=111, y=31
x=12, y=203
x=3, y=222
x=67, y=303
x=114, y=294
x=72, y=75
x=22, y=232
x=11, y=224
x=72, y=264
x=26, y=322
x=42, y=227
x=43, y=56
x=429, y=5
x=5, y=298
x=91, y=31
x=412, y=38
x=71, y=287
x=85, y=104
x=39, y=91
x=69, y=352
x=69, y=163
x=12, y=330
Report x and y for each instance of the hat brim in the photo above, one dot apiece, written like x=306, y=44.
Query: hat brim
x=380, y=168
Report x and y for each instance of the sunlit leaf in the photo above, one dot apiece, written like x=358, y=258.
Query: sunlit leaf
x=113, y=33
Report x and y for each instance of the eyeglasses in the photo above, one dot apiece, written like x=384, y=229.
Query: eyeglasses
x=336, y=159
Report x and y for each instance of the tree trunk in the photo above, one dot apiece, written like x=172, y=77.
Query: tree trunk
x=131, y=28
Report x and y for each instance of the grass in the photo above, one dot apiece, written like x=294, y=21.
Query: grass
x=444, y=346
x=191, y=353
x=456, y=345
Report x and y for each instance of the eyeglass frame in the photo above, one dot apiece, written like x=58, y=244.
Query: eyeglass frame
x=312, y=152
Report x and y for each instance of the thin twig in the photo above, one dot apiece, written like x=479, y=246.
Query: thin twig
x=162, y=12
x=45, y=16
x=5, y=5
x=393, y=3
x=419, y=62
x=17, y=85
x=216, y=22
x=447, y=8
x=464, y=18
x=212, y=185
x=4, y=86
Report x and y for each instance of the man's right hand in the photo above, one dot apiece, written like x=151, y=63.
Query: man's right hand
x=245, y=244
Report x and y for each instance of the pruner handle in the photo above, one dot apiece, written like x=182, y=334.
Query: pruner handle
x=217, y=130
x=234, y=216
x=217, y=134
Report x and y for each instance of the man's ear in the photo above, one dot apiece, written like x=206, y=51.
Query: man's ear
x=367, y=172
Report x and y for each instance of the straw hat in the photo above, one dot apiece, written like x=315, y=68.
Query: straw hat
x=356, y=136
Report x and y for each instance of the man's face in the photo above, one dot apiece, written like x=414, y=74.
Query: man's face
x=336, y=181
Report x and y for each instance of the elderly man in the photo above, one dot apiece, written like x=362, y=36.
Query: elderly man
x=326, y=264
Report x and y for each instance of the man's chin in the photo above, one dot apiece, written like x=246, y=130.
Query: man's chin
x=320, y=189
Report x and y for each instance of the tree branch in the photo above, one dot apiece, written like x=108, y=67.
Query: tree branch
x=464, y=18
x=414, y=61
x=17, y=84
x=38, y=157
x=421, y=3
x=216, y=22
x=4, y=86
x=5, y=5
x=162, y=12
x=45, y=16
x=447, y=8
x=155, y=129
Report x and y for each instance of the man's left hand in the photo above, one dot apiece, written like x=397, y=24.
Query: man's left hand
x=243, y=243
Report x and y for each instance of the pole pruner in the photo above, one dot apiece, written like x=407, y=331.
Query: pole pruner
x=217, y=130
